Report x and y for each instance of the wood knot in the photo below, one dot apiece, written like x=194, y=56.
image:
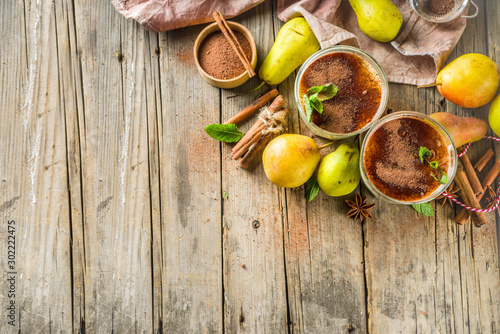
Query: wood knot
x=120, y=56
x=255, y=224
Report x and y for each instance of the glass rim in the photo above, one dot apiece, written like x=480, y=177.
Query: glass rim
x=351, y=50
x=451, y=149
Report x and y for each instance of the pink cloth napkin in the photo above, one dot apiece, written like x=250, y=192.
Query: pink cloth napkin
x=414, y=57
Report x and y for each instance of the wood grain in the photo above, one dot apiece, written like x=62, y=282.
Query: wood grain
x=253, y=259
x=190, y=191
x=435, y=281
x=324, y=251
x=115, y=170
x=34, y=180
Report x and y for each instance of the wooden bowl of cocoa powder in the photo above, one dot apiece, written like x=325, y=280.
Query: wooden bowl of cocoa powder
x=217, y=62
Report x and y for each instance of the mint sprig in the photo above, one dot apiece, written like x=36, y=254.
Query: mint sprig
x=312, y=188
x=425, y=209
x=315, y=96
x=227, y=133
x=423, y=153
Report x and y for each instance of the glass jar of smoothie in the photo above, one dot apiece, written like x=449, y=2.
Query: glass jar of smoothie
x=393, y=166
x=361, y=97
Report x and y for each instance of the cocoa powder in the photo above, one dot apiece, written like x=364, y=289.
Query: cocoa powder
x=359, y=91
x=392, y=162
x=438, y=7
x=217, y=57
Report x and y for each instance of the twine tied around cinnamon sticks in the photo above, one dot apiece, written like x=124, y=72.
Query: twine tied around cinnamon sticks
x=472, y=189
x=275, y=122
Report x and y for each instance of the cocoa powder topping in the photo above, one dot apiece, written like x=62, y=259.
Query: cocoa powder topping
x=217, y=57
x=438, y=7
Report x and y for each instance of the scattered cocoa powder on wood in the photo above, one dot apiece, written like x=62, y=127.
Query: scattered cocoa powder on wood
x=438, y=7
x=217, y=57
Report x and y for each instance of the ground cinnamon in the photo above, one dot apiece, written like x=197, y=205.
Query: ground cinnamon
x=234, y=42
x=218, y=59
x=438, y=7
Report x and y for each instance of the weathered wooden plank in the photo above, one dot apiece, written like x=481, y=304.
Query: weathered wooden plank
x=253, y=261
x=115, y=170
x=324, y=252
x=34, y=191
x=70, y=94
x=153, y=99
x=190, y=191
x=435, y=281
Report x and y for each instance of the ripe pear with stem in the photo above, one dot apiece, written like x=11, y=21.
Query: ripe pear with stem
x=469, y=81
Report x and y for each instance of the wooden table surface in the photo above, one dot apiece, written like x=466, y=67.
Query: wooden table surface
x=116, y=198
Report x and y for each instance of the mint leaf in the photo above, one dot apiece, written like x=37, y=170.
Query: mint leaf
x=314, y=97
x=424, y=152
x=315, y=103
x=444, y=178
x=227, y=133
x=425, y=209
x=327, y=91
x=312, y=188
x=434, y=164
x=309, y=108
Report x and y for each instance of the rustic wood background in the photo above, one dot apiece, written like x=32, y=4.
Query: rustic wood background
x=122, y=225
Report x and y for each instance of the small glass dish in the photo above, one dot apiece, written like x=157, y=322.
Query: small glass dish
x=357, y=52
x=452, y=154
x=458, y=9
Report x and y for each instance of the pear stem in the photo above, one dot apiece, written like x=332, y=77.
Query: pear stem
x=430, y=85
x=326, y=145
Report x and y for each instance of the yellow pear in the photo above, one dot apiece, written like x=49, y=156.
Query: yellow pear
x=378, y=19
x=462, y=130
x=338, y=172
x=290, y=160
x=469, y=81
x=294, y=44
x=494, y=115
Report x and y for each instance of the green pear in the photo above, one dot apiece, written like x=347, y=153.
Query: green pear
x=494, y=115
x=462, y=130
x=294, y=43
x=378, y=19
x=290, y=160
x=469, y=81
x=338, y=172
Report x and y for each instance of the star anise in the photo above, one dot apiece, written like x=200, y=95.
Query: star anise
x=491, y=198
x=452, y=191
x=359, y=208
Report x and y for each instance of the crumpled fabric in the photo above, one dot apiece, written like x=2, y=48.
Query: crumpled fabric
x=414, y=57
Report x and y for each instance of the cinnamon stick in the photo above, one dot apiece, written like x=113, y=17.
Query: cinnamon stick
x=253, y=151
x=256, y=148
x=469, y=196
x=228, y=33
x=256, y=136
x=463, y=215
x=256, y=105
x=471, y=174
x=276, y=105
x=481, y=163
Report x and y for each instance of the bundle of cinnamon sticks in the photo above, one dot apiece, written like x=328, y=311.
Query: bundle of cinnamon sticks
x=257, y=137
x=471, y=189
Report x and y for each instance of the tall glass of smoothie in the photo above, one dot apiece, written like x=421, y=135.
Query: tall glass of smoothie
x=361, y=97
x=408, y=158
